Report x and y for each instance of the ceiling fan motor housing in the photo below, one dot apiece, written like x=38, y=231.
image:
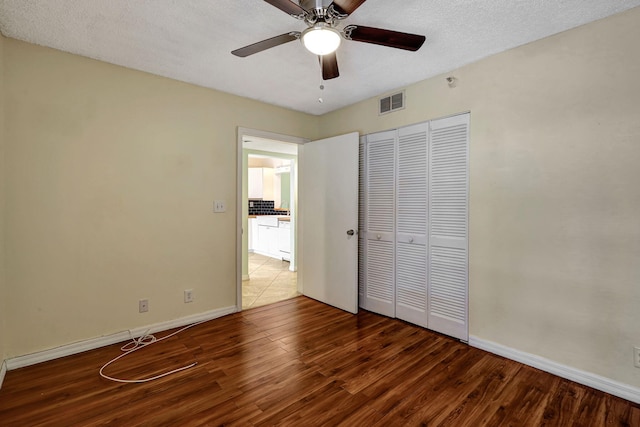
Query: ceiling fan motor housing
x=320, y=11
x=314, y=4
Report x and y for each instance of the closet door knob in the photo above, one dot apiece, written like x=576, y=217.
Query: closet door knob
x=410, y=239
x=378, y=237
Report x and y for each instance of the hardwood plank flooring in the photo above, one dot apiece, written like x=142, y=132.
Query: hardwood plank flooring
x=302, y=363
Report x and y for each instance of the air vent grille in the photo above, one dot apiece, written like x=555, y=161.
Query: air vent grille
x=391, y=103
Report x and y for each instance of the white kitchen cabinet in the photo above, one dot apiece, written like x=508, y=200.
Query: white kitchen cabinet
x=260, y=243
x=267, y=241
x=255, y=183
x=272, y=242
x=262, y=184
x=268, y=183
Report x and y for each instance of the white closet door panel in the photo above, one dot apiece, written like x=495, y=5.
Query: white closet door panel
x=380, y=182
x=362, y=203
x=411, y=224
x=448, y=291
x=411, y=282
x=379, y=223
x=411, y=238
x=379, y=294
x=448, y=230
x=412, y=180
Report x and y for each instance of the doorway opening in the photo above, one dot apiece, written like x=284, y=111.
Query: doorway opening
x=268, y=166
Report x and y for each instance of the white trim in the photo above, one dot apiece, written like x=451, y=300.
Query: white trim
x=589, y=379
x=3, y=371
x=93, y=343
x=65, y=350
x=243, y=131
x=183, y=321
x=239, y=216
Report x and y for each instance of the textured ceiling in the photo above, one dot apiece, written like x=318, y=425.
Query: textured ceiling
x=191, y=40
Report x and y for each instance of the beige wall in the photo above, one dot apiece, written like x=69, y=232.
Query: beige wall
x=113, y=174
x=3, y=298
x=555, y=191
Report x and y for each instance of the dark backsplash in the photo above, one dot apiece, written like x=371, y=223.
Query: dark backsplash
x=264, y=207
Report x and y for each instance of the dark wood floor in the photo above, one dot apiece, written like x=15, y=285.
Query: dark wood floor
x=302, y=363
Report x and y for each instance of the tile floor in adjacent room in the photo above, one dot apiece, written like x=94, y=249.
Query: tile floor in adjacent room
x=269, y=281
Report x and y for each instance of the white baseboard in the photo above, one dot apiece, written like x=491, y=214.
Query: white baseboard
x=183, y=321
x=66, y=350
x=598, y=382
x=93, y=343
x=3, y=371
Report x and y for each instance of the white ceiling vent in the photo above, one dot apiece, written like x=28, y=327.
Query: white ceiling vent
x=391, y=103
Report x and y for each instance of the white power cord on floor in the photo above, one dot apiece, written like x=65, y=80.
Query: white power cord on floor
x=138, y=343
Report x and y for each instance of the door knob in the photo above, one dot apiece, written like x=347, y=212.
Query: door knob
x=378, y=237
x=351, y=232
x=410, y=239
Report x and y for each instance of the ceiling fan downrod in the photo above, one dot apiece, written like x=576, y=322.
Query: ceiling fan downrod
x=319, y=11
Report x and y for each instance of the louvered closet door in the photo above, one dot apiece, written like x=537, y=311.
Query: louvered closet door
x=448, y=230
x=411, y=225
x=362, y=242
x=380, y=184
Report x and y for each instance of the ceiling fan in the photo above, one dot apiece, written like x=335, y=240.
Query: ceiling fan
x=322, y=37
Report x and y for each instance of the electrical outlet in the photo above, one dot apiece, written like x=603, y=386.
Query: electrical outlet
x=219, y=206
x=636, y=357
x=143, y=305
x=188, y=295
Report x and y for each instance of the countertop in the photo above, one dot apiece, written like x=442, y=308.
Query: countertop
x=280, y=217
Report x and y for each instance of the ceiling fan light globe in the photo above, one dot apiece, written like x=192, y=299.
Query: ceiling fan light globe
x=321, y=40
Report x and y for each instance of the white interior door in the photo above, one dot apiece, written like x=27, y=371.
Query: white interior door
x=328, y=206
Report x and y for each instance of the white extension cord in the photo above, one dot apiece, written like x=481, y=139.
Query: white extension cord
x=138, y=343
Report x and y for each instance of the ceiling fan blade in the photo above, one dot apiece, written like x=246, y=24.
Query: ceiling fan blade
x=288, y=7
x=266, y=44
x=346, y=7
x=329, y=64
x=382, y=37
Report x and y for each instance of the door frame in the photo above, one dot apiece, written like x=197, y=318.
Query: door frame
x=244, y=132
